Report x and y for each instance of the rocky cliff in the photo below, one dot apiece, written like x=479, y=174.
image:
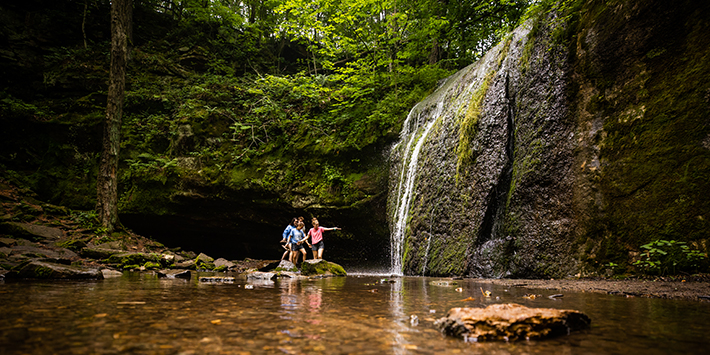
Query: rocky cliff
x=569, y=145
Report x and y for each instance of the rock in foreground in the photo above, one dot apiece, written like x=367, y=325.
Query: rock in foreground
x=510, y=322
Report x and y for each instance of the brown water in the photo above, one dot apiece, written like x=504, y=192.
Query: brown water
x=353, y=315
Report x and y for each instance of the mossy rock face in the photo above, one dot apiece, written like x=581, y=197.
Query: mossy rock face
x=204, y=262
x=133, y=259
x=204, y=258
x=73, y=245
x=150, y=265
x=204, y=266
x=321, y=267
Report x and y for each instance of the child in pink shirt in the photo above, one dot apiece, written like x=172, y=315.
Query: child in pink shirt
x=316, y=235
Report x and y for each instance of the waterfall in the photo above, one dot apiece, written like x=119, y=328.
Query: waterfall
x=405, y=188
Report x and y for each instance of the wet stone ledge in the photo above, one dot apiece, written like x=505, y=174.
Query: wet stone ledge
x=510, y=322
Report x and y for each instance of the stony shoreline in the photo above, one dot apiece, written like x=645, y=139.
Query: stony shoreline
x=681, y=289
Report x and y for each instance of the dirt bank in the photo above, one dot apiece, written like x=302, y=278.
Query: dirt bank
x=691, y=288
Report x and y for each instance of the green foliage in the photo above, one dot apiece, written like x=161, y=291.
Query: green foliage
x=86, y=219
x=670, y=257
x=275, y=95
x=151, y=265
x=146, y=166
x=12, y=106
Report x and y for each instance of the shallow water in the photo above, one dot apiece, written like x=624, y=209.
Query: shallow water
x=352, y=315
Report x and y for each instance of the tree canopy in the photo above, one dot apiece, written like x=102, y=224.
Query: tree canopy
x=233, y=85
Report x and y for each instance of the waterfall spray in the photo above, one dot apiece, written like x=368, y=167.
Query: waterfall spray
x=406, y=183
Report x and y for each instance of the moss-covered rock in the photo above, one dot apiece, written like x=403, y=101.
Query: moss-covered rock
x=589, y=141
x=75, y=245
x=151, y=265
x=322, y=268
x=133, y=259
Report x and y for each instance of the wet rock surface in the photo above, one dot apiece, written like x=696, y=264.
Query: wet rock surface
x=510, y=322
x=49, y=270
x=544, y=161
x=175, y=274
x=321, y=267
x=259, y=275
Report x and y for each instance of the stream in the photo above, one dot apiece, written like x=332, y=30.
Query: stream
x=358, y=314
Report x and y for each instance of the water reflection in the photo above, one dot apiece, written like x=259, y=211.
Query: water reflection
x=354, y=315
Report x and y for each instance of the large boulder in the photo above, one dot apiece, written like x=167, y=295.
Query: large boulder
x=510, y=322
x=204, y=262
x=47, y=270
x=32, y=231
x=58, y=255
x=222, y=264
x=321, y=267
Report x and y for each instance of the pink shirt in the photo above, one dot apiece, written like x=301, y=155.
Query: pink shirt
x=316, y=234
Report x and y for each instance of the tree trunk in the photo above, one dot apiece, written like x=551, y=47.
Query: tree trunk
x=106, y=184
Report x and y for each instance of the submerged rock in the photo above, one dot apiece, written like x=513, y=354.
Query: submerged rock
x=510, y=322
x=321, y=267
x=217, y=279
x=47, y=270
x=108, y=273
x=174, y=274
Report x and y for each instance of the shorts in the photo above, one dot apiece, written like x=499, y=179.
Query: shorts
x=296, y=247
x=317, y=246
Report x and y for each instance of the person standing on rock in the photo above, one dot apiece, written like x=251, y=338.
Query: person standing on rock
x=316, y=236
x=296, y=238
x=284, y=237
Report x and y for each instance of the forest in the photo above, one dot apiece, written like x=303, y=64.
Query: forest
x=289, y=101
x=238, y=115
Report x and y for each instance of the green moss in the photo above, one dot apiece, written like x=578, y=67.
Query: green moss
x=654, y=155
x=322, y=268
x=72, y=244
x=42, y=272
x=468, y=123
x=150, y=265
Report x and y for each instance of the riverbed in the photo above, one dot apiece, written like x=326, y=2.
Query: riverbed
x=358, y=314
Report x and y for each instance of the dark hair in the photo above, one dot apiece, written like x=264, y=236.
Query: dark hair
x=293, y=221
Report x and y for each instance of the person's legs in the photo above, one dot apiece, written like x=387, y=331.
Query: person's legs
x=303, y=251
x=320, y=253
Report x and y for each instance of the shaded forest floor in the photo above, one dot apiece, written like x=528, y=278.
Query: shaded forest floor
x=695, y=287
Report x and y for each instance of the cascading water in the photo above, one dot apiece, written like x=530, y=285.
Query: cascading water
x=444, y=205
x=407, y=177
